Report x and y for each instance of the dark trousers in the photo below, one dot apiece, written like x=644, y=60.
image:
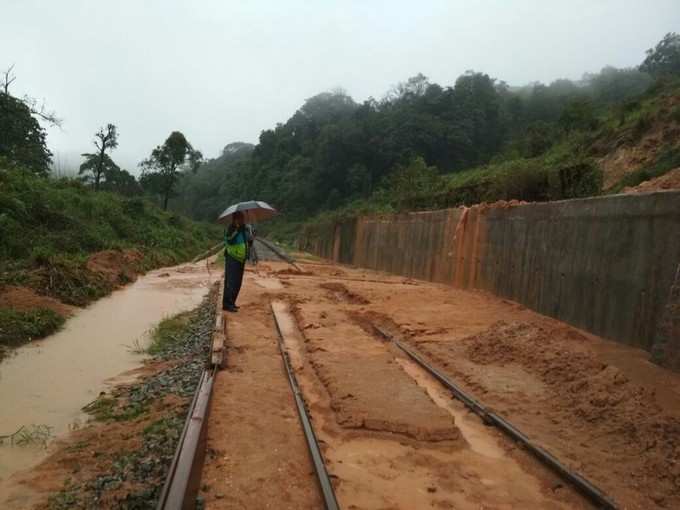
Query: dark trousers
x=233, y=276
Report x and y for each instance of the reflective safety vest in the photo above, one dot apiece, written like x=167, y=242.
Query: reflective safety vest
x=236, y=244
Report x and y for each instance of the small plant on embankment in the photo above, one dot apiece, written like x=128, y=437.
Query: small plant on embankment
x=143, y=422
x=169, y=332
x=62, y=240
x=29, y=435
x=17, y=325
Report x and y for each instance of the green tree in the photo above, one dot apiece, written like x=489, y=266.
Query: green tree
x=477, y=106
x=122, y=182
x=578, y=115
x=112, y=177
x=106, y=139
x=612, y=85
x=97, y=169
x=664, y=59
x=22, y=139
x=538, y=139
x=162, y=169
x=409, y=182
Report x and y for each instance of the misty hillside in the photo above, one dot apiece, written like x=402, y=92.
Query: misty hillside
x=426, y=145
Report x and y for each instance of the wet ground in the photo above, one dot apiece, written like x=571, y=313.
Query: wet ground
x=393, y=437
x=47, y=382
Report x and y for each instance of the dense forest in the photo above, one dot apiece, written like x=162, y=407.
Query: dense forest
x=426, y=145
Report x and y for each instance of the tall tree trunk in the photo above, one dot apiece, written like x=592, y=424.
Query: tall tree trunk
x=100, y=168
x=166, y=196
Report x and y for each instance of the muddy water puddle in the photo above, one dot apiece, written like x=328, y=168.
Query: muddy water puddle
x=47, y=382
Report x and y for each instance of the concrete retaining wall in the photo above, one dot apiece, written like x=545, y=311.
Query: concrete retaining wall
x=602, y=264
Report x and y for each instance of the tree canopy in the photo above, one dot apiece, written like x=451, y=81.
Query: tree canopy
x=162, y=169
x=664, y=59
x=100, y=165
x=333, y=150
x=22, y=139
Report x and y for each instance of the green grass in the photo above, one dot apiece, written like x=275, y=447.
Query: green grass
x=50, y=227
x=18, y=327
x=44, y=218
x=169, y=331
x=107, y=409
x=67, y=498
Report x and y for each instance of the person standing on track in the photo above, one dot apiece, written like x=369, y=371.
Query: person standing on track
x=235, y=254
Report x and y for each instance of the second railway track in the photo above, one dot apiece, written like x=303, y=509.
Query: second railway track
x=283, y=321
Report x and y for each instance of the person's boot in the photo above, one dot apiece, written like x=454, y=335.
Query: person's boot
x=231, y=308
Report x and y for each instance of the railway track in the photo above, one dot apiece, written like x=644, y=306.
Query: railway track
x=580, y=483
x=181, y=488
x=183, y=480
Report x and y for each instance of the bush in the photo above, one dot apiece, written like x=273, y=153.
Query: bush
x=582, y=179
x=524, y=179
x=19, y=327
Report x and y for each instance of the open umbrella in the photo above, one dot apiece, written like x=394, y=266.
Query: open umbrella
x=253, y=211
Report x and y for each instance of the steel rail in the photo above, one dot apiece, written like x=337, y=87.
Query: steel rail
x=586, y=488
x=184, y=476
x=183, y=480
x=278, y=252
x=325, y=484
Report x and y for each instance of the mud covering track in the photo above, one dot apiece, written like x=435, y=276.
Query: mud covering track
x=591, y=492
x=390, y=433
x=283, y=325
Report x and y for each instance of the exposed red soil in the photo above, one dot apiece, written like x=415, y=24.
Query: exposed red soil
x=667, y=181
x=624, y=155
x=24, y=299
x=340, y=293
x=119, y=267
x=387, y=441
x=295, y=272
x=549, y=379
x=600, y=407
x=256, y=453
x=358, y=387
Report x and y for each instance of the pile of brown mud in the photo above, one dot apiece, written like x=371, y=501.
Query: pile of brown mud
x=668, y=181
x=294, y=272
x=618, y=414
x=23, y=299
x=118, y=267
x=341, y=294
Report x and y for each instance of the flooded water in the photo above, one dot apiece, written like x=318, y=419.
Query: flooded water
x=49, y=381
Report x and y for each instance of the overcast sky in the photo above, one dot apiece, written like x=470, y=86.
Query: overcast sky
x=222, y=71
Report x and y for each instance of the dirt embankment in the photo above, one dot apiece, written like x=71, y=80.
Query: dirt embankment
x=24, y=299
x=115, y=267
x=668, y=181
x=550, y=379
x=639, y=146
x=119, y=267
x=61, y=288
